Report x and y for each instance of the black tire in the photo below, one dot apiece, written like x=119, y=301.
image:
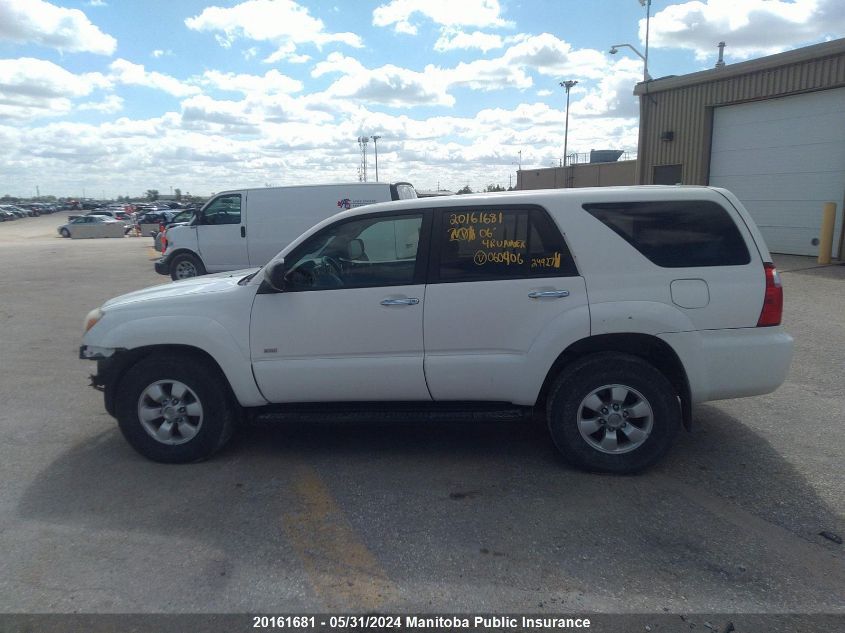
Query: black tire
x=205, y=385
x=585, y=376
x=183, y=263
x=64, y=233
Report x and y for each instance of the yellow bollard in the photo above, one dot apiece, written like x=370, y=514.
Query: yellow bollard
x=826, y=237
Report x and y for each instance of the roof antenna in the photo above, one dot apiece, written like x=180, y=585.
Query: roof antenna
x=720, y=63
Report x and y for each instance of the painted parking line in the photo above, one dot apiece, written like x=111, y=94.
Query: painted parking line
x=342, y=571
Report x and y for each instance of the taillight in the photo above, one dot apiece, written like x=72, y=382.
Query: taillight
x=773, y=299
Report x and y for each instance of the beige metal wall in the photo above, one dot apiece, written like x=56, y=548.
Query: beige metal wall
x=582, y=175
x=687, y=110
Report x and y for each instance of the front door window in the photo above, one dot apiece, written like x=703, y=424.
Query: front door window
x=358, y=253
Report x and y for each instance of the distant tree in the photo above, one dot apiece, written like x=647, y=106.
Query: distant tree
x=178, y=193
x=494, y=188
x=152, y=194
x=9, y=199
x=465, y=189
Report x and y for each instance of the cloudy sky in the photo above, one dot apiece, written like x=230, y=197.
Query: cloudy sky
x=111, y=97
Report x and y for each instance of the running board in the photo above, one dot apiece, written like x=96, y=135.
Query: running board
x=362, y=412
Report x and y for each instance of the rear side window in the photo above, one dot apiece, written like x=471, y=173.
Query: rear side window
x=486, y=243
x=676, y=234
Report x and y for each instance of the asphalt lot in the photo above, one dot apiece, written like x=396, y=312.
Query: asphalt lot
x=415, y=517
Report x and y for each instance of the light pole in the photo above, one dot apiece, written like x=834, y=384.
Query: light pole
x=615, y=49
x=375, y=147
x=647, y=5
x=567, y=85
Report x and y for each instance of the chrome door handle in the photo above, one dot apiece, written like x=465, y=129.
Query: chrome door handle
x=548, y=294
x=411, y=301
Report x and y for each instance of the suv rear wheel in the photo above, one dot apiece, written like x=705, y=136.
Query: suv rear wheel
x=174, y=409
x=613, y=413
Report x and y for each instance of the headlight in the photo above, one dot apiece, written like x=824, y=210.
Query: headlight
x=92, y=318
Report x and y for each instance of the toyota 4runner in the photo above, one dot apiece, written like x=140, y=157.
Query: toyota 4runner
x=609, y=311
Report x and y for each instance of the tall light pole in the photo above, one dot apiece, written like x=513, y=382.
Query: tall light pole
x=375, y=147
x=567, y=85
x=647, y=5
x=615, y=49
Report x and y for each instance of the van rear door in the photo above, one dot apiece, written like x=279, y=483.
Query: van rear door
x=221, y=233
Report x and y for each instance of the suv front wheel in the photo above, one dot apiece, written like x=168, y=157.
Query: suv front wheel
x=613, y=413
x=174, y=409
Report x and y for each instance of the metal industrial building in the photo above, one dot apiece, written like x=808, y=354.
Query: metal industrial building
x=772, y=130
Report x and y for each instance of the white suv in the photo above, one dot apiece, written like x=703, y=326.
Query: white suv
x=612, y=311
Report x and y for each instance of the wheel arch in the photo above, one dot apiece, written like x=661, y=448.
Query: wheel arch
x=646, y=346
x=185, y=251
x=112, y=371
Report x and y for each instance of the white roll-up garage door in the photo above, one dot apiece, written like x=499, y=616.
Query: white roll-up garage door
x=784, y=158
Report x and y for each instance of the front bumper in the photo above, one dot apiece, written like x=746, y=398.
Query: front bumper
x=162, y=266
x=109, y=370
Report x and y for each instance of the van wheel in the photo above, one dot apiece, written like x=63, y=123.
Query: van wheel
x=185, y=266
x=174, y=409
x=65, y=233
x=613, y=413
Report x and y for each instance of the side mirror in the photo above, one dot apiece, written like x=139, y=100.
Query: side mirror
x=275, y=275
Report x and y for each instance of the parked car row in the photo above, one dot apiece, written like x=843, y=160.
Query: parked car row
x=10, y=212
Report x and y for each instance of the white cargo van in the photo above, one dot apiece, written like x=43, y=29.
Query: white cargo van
x=247, y=227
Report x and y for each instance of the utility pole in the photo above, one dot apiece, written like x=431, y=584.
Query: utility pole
x=567, y=85
x=375, y=138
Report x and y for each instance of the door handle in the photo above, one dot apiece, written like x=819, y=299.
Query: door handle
x=243, y=231
x=410, y=301
x=548, y=294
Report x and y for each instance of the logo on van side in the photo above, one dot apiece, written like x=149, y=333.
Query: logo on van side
x=349, y=203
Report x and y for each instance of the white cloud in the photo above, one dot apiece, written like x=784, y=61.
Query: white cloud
x=283, y=23
x=109, y=105
x=125, y=72
x=544, y=93
x=158, y=53
x=272, y=82
x=452, y=39
x=35, y=87
x=549, y=55
x=97, y=3
x=230, y=114
x=448, y=13
x=749, y=27
x=39, y=22
x=388, y=85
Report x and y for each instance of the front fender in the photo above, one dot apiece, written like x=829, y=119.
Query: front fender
x=204, y=334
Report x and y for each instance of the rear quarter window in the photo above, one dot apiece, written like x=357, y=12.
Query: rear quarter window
x=676, y=233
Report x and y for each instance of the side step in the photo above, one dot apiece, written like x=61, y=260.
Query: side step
x=362, y=412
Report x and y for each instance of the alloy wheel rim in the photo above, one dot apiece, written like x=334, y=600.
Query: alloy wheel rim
x=615, y=419
x=170, y=412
